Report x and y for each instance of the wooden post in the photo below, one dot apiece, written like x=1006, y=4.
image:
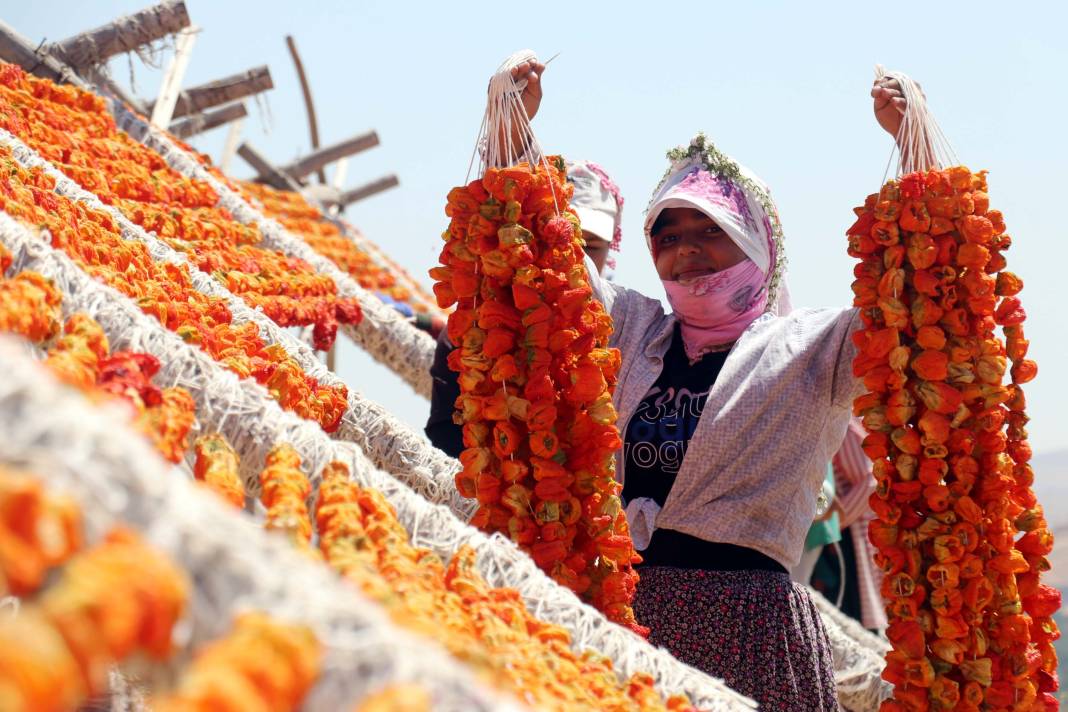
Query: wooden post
x=123, y=35
x=18, y=50
x=222, y=91
x=267, y=171
x=163, y=109
x=309, y=105
x=366, y=191
x=230, y=147
x=318, y=159
x=208, y=120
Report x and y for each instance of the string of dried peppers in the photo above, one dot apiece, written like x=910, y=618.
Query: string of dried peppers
x=118, y=598
x=959, y=533
x=536, y=381
x=164, y=291
x=262, y=664
x=73, y=130
x=216, y=466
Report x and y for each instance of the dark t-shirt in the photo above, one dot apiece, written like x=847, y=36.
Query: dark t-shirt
x=654, y=444
x=659, y=432
x=446, y=435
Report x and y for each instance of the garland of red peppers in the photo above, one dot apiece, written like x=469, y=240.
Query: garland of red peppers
x=536, y=381
x=959, y=533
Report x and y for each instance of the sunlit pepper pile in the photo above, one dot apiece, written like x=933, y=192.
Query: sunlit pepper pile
x=536, y=381
x=303, y=220
x=72, y=129
x=285, y=490
x=399, y=697
x=959, y=533
x=38, y=531
x=164, y=291
x=110, y=602
x=80, y=355
x=216, y=467
x=262, y=664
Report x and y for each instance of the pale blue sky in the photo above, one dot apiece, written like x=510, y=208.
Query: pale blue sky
x=781, y=86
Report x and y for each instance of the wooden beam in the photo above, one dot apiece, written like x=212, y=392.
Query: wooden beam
x=33, y=58
x=222, y=91
x=328, y=154
x=366, y=191
x=123, y=35
x=309, y=105
x=267, y=171
x=208, y=120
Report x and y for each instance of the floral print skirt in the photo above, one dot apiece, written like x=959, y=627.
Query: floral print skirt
x=757, y=630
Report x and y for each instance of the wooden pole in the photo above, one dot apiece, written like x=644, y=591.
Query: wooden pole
x=208, y=120
x=267, y=171
x=366, y=191
x=18, y=50
x=222, y=91
x=309, y=105
x=123, y=35
x=230, y=146
x=163, y=108
x=324, y=156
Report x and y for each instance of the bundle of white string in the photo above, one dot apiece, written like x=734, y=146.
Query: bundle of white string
x=920, y=143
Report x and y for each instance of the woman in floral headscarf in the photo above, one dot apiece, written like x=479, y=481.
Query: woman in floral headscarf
x=730, y=409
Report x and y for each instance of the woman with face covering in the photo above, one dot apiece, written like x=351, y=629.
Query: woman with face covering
x=730, y=408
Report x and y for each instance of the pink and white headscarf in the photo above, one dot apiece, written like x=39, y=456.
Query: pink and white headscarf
x=598, y=203
x=715, y=309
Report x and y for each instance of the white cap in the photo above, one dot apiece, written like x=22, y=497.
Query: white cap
x=593, y=203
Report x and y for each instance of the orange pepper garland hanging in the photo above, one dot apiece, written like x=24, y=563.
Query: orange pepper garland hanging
x=960, y=536
x=536, y=380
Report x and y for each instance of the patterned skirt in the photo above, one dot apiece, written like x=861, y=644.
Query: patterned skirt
x=756, y=630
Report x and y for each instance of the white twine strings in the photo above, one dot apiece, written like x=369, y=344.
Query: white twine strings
x=920, y=143
x=506, y=119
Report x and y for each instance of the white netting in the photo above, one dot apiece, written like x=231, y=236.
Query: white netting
x=116, y=477
x=858, y=658
x=253, y=422
x=386, y=335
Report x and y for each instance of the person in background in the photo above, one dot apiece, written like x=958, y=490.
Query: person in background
x=846, y=573
x=824, y=532
x=599, y=206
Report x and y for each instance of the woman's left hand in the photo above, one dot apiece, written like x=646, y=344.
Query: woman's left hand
x=889, y=104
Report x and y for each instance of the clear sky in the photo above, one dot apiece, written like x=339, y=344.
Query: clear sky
x=783, y=87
